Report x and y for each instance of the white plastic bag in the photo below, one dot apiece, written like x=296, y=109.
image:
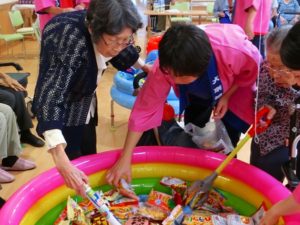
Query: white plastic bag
x=212, y=137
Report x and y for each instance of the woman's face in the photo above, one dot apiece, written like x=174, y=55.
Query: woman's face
x=112, y=45
x=282, y=75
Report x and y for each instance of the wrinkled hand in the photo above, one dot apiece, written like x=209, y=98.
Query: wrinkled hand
x=269, y=116
x=121, y=169
x=221, y=108
x=12, y=83
x=74, y=178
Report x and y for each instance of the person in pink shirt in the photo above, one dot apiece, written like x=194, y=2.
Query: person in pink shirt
x=49, y=8
x=254, y=17
x=211, y=72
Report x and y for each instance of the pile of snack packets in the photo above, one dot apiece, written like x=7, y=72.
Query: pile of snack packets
x=156, y=208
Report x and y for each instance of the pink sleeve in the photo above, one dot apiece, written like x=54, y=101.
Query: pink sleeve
x=237, y=58
x=148, y=108
x=43, y=4
x=296, y=194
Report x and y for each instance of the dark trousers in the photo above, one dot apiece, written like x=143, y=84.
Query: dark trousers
x=81, y=140
x=259, y=42
x=270, y=163
x=15, y=99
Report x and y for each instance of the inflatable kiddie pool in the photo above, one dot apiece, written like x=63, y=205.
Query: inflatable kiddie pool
x=41, y=200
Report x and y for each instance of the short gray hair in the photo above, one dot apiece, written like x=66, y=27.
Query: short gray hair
x=275, y=37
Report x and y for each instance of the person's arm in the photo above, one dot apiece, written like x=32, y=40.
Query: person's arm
x=249, y=30
x=147, y=113
x=285, y=207
x=122, y=168
x=59, y=77
x=73, y=177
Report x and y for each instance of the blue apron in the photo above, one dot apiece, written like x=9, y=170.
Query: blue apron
x=208, y=89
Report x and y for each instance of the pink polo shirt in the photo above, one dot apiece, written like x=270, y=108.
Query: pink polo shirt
x=237, y=61
x=40, y=5
x=263, y=16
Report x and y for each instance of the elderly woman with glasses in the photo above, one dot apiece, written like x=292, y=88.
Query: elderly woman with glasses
x=75, y=49
x=278, y=87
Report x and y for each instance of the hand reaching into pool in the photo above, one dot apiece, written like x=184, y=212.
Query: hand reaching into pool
x=122, y=168
x=73, y=177
x=288, y=206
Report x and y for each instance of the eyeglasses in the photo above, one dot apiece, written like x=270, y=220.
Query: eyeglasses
x=117, y=43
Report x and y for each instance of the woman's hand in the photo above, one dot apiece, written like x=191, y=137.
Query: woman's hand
x=7, y=81
x=73, y=177
x=269, y=116
x=121, y=169
x=221, y=108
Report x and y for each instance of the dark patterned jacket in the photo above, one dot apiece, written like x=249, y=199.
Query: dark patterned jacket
x=281, y=99
x=68, y=63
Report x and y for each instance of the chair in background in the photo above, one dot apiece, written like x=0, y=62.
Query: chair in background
x=210, y=11
x=10, y=38
x=17, y=22
x=180, y=6
x=36, y=28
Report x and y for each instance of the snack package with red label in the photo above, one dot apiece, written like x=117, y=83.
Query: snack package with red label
x=126, y=190
x=215, y=203
x=159, y=199
x=178, y=187
x=124, y=202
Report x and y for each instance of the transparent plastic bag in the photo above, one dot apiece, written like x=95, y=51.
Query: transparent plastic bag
x=212, y=137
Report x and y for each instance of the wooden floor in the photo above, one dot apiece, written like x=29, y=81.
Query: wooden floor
x=108, y=139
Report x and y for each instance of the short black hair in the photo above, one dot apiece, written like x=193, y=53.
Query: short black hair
x=290, y=48
x=111, y=17
x=185, y=49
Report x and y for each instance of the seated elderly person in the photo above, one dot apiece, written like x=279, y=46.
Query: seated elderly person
x=287, y=9
x=12, y=94
x=10, y=147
